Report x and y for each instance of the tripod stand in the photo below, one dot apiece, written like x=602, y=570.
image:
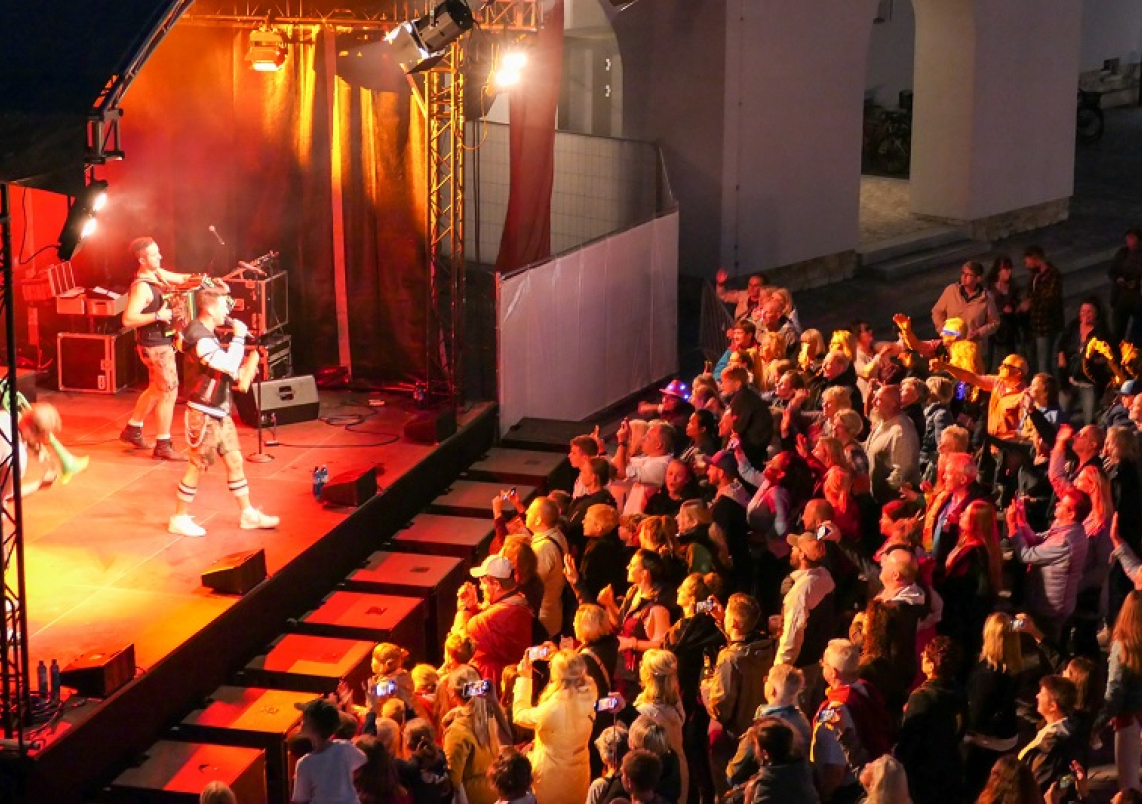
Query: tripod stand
x=260, y=456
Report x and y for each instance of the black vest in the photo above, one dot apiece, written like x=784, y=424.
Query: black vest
x=157, y=333
x=210, y=393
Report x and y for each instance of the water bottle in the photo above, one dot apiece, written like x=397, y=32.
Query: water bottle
x=55, y=680
x=317, y=482
x=42, y=677
x=322, y=479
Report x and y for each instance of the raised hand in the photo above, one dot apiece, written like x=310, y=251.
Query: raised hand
x=721, y=276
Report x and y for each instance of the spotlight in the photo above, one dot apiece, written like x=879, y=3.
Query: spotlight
x=419, y=44
x=80, y=223
x=267, y=51
x=510, y=70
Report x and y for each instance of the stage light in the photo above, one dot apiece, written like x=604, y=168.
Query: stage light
x=267, y=51
x=80, y=223
x=510, y=69
x=419, y=44
x=514, y=60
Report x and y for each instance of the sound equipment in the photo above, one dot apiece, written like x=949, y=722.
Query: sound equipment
x=99, y=673
x=472, y=498
x=277, y=356
x=431, y=426
x=237, y=573
x=350, y=489
x=253, y=718
x=377, y=618
x=433, y=578
x=285, y=401
x=314, y=664
x=175, y=773
x=100, y=364
x=511, y=467
x=463, y=537
x=263, y=304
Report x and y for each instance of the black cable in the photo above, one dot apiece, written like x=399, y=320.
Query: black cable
x=38, y=253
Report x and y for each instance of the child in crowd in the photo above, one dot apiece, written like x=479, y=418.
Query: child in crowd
x=325, y=774
x=510, y=775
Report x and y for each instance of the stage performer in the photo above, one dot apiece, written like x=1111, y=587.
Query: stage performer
x=148, y=313
x=37, y=423
x=209, y=429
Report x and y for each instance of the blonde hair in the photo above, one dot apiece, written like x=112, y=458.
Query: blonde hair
x=843, y=341
x=885, y=781
x=477, y=709
x=591, y=623
x=851, y=420
x=812, y=347
x=658, y=674
x=771, y=346
x=696, y=512
x=1128, y=632
x=649, y=734
x=941, y=388
x=1001, y=648
x=568, y=674
x=959, y=435
x=654, y=533
x=425, y=677
x=839, y=395
x=835, y=451
x=604, y=516
x=786, y=680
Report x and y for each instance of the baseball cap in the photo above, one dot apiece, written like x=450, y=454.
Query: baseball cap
x=494, y=567
x=808, y=544
x=677, y=388
x=324, y=716
x=1130, y=388
x=725, y=460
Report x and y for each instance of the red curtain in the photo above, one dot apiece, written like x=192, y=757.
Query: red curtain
x=527, y=227
x=210, y=142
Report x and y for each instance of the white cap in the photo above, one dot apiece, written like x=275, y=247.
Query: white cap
x=495, y=566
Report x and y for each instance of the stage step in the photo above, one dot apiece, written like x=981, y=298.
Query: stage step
x=313, y=664
x=464, y=537
x=250, y=717
x=474, y=498
x=377, y=618
x=546, y=435
x=433, y=579
x=175, y=773
x=516, y=467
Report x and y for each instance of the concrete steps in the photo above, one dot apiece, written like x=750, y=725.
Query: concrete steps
x=919, y=252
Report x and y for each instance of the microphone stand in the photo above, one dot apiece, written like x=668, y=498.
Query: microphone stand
x=260, y=456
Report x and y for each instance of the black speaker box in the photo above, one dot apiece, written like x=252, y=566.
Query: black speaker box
x=431, y=426
x=351, y=488
x=237, y=573
x=99, y=673
x=284, y=401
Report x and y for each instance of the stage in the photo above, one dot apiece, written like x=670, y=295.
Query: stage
x=103, y=572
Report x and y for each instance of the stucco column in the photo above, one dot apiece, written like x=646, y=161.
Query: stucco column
x=994, y=113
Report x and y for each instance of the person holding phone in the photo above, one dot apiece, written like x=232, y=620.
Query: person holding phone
x=471, y=736
x=563, y=720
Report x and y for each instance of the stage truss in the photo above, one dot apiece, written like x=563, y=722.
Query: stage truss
x=439, y=94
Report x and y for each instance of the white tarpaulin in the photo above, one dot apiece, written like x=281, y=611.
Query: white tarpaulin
x=590, y=327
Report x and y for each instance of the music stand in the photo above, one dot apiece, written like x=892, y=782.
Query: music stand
x=260, y=456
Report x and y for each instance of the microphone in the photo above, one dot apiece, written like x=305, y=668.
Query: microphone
x=217, y=236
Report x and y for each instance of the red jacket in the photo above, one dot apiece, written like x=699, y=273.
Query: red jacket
x=502, y=632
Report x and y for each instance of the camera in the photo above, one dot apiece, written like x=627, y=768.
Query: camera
x=706, y=606
x=386, y=687
x=608, y=704
x=476, y=688
x=507, y=495
x=538, y=653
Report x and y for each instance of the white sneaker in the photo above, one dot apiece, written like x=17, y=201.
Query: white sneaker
x=184, y=525
x=254, y=519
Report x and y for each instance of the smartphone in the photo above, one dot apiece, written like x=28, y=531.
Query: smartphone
x=705, y=606
x=961, y=391
x=1067, y=782
x=827, y=716
x=1018, y=625
x=608, y=704
x=475, y=688
x=538, y=653
x=824, y=532
x=507, y=495
x=387, y=687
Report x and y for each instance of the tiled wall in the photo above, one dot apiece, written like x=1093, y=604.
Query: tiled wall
x=602, y=185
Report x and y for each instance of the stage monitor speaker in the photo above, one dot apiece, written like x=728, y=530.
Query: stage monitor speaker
x=99, y=673
x=237, y=573
x=431, y=426
x=352, y=488
x=285, y=401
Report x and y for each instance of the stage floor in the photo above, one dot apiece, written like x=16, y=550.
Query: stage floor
x=102, y=570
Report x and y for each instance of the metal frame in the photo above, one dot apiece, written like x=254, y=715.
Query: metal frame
x=15, y=693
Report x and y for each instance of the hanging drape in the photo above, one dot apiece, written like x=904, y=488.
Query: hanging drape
x=211, y=142
x=527, y=226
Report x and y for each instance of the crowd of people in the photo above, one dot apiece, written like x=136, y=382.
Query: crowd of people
x=830, y=569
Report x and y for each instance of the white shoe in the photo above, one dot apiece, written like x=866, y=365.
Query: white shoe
x=253, y=519
x=184, y=525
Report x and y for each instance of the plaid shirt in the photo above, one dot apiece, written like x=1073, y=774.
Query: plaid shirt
x=1046, y=294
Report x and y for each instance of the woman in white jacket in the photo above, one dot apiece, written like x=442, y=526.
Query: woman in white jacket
x=562, y=720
